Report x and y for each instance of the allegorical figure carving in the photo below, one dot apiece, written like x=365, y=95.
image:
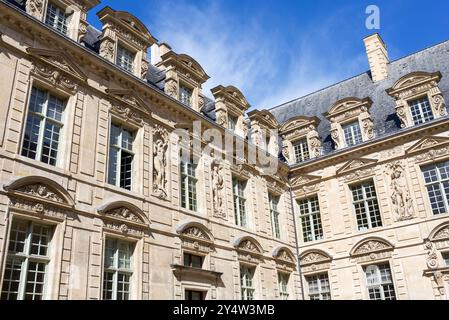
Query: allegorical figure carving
x=217, y=187
x=335, y=135
x=160, y=145
x=400, y=195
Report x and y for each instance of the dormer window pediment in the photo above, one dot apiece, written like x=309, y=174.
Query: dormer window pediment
x=351, y=122
x=264, y=128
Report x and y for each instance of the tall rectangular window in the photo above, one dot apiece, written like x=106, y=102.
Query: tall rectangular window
x=352, y=133
x=301, y=150
x=185, y=96
x=274, y=213
x=247, y=282
x=421, y=110
x=118, y=269
x=309, y=210
x=283, y=285
x=192, y=295
x=436, y=177
x=318, y=286
x=43, y=126
x=56, y=18
x=379, y=282
x=445, y=258
x=27, y=261
x=188, y=185
x=232, y=122
x=366, y=206
x=125, y=59
x=239, y=202
x=121, y=157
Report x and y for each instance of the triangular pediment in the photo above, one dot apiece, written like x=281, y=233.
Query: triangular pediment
x=414, y=79
x=303, y=179
x=130, y=98
x=356, y=164
x=428, y=143
x=59, y=60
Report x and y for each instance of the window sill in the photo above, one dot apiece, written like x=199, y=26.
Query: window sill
x=183, y=271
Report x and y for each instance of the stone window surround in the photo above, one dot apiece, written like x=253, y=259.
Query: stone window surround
x=349, y=110
x=296, y=129
x=263, y=121
x=414, y=86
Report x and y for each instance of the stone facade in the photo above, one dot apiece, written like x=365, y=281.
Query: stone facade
x=84, y=210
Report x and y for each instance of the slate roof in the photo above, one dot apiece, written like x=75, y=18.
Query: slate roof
x=386, y=122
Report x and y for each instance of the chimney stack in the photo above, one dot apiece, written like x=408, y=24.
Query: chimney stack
x=377, y=57
x=157, y=51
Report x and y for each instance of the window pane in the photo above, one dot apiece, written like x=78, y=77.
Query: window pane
x=18, y=235
x=55, y=108
x=185, y=96
x=312, y=229
x=31, y=137
x=437, y=184
x=120, y=157
x=126, y=162
x=123, y=287
x=39, y=240
x=125, y=59
x=108, y=283
x=56, y=18
x=35, y=281
x=352, y=133
x=366, y=207
x=37, y=100
x=318, y=287
x=421, y=111
x=301, y=150
x=50, y=143
x=11, y=278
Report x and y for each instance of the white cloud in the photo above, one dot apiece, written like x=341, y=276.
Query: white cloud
x=241, y=52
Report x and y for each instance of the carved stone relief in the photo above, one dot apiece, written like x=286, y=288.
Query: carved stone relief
x=400, y=196
x=160, y=146
x=217, y=188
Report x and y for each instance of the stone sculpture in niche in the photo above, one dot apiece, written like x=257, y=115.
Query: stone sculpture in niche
x=160, y=146
x=400, y=196
x=217, y=187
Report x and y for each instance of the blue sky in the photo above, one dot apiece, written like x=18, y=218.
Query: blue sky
x=278, y=50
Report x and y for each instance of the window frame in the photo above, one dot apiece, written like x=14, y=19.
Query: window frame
x=239, y=199
x=190, y=264
x=59, y=11
x=301, y=145
x=191, y=291
x=116, y=270
x=380, y=285
x=419, y=99
x=183, y=88
x=440, y=183
x=273, y=201
x=312, y=222
x=247, y=274
x=119, y=150
x=283, y=285
x=320, y=293
x=25, y=257
x=128, y=53
x=356, y=136
x=189, y=184
x=44, y=119
x=369, y=216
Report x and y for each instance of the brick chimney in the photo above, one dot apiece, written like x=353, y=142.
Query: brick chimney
x=377, y=57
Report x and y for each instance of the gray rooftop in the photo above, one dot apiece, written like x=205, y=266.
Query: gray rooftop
x=385, y=120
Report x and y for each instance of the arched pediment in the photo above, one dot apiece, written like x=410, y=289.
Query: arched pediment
x=348, y=104
x=298, y=122
x=413, y=79
x=284, y=254
x=440, y=233
x=133, y=22
x=237, y=94
x=123, y=211
x=371, y=245
x=314, y=256
x=38, y=187
x=192, y=63
x=195, y=230
x=248, y=244
x=264, y=117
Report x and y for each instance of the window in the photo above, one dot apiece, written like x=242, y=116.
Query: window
x=194, y=295
x=56, y=18
x=379, y=282
x=232, y=122
x=274, y=213
x=43, y=127
x=194, y=261
x=117, y=270
x=421, y=110
x=247, y=282
x=120, y=157
x=27, y=261
x=188, y=185
x=352, y=133
x=125, y=59
x=239, y=202
x=301, y=150
x=185, y=96
x=436, y=178
x=366, y=206
x=446, y=258
x=283, y=285
x=309, y=210
x=318, y=286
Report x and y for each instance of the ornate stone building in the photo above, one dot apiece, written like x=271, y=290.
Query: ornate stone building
x=98, y=200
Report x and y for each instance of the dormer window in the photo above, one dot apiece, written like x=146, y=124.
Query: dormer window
x=352, y=133
x=56, y=18
x=185, y=96
x=232, y=122
x=125, y=59
x=418, y=98
x=301, y=150
x=421, y=110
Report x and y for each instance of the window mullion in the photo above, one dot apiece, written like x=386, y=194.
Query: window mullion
x=43, y=123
